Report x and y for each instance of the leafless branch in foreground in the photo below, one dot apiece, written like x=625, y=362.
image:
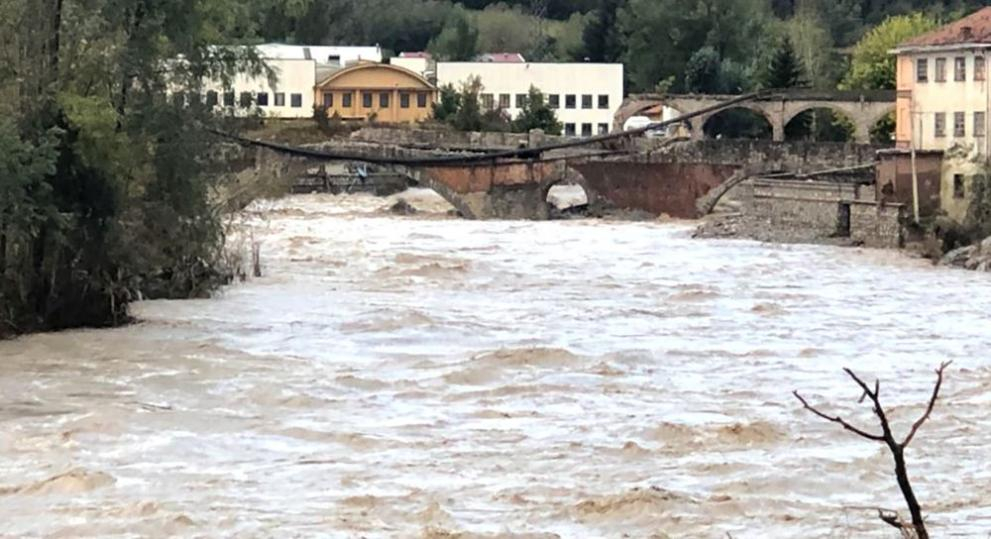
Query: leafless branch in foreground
x=917, y=528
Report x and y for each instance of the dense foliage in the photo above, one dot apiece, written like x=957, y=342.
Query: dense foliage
x=103, y=177
x=656, y=39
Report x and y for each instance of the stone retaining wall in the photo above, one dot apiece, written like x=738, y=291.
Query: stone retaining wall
x=793, y=211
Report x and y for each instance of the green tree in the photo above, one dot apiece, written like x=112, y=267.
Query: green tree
x=105, y=189
x=536, y=114
x=872, y=66
x=785, y=69
x=601, y=40
x=458, y=41
x=448, y=104
x=735, y=29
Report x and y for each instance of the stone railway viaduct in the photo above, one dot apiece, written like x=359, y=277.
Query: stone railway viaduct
x=863, y=109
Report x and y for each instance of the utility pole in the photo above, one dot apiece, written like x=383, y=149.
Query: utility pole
x=915, y=175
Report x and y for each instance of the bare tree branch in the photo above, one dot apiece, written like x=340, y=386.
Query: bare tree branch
x=917, y=528
x=838, y=419
x=932, y=402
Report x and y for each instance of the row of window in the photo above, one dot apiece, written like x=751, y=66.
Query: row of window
x=960, y=124
x=368, y=98
x=570, y=129
x=245, y=99
x=959, y=69
x=553, y=101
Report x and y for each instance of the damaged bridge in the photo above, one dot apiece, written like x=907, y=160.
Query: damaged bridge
x=505, y=181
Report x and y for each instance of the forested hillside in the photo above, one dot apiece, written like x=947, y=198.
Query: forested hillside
x=657, y=39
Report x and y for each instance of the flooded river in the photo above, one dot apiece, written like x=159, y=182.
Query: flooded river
x=429, y=377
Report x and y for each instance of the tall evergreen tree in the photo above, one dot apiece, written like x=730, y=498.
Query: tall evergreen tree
x=601, y=39
x=785, y=69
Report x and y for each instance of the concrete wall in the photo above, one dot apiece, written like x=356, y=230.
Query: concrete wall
x=561, y=80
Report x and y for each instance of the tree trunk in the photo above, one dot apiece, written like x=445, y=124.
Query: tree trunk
x=913, y=504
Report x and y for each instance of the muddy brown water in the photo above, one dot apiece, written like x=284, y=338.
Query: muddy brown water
x=429, y=377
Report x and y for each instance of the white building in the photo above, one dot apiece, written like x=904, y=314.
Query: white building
x=296, y=68
x=585, y=96
x=321, y=54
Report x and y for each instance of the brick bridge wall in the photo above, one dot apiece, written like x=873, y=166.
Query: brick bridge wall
x=669, y=179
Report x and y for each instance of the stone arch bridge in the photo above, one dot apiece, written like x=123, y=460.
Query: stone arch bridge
x=646, y=175
x=779, y=108
x=486, y=188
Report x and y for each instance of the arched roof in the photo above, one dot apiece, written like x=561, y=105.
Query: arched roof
x=367, y=66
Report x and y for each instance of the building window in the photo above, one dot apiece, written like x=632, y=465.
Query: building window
x=959, y=69
x=922, y=70
x=569, y=130
x=421, y=100
x=262, y=99
x=211, y=99
x=521, y=100
x=503, y=101
x=569, y=101
x=328, y=100
x=603, y=101
x=586, y=101
x=366, y=100
x=980, y=123
x=959, y=124
x=245, y=100
x=488, y=101
x=296, y=100
x=404, y=101
x=939, y=129
x=228, y=99
x=347, y=100
x=586, y=130
x=603, y=129
x=940, y=69
x=280, y=99
x=554, y=101
x=384, y=100
x=979, y=68
x=959, y=189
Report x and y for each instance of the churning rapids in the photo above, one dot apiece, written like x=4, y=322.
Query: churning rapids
x=426, y=376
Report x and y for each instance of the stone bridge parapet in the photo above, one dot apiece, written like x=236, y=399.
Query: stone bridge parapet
x=863, y=109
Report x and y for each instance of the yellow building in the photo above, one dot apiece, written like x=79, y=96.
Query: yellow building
x=944, y=103
x=382, y=92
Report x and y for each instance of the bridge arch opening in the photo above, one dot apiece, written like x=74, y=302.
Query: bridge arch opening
x=820, y=124
x=738, y=123
x=567, y=195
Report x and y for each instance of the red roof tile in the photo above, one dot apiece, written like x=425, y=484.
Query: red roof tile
x=975, y=28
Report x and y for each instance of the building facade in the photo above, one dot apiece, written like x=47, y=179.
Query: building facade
x=288, y=94
x=585, y=96
x=380, y=92
x=944, y=104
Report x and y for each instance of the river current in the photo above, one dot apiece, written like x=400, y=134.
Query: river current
x=425, y=376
